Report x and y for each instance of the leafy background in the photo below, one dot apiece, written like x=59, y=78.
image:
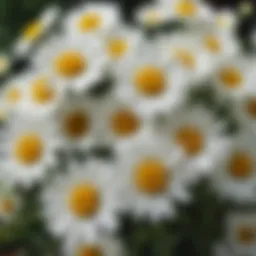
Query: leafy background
x=199, y=225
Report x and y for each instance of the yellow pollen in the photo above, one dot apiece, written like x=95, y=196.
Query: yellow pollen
x=28, y=148
x=212, y=44
x=241, y=165
x=90, y=22
x=33, y=31
x=151, y=176
x=76, y=124
x=251, y=107
x=186, y=8
x=41, y=91
x=231, y=77
x=70, y=64
x=124, y=123
x=185, y=58
x=150, y=81
x=7, y=206
x=190, y=139
x=117, y=48
x=89, y=250
x=246, y=235
x=84, y=200
x=13, y=95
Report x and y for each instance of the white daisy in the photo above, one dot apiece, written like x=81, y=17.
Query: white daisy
x=233, y=77
x=234, y=174
x=146, y=82
x=101, y=245
x=92, y=20
x=10, y=201
x=28, y=151
x=193, y=12
x=35, y=30
x=77, y=65
x=241, y=233
x=77, y=122
x=84, y=201
x=151, y=15
x=42, y=95
x=149, y=179
x=197, y=137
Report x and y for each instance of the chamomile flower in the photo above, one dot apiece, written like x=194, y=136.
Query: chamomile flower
x=197, y=137
x=101, y=245
x=28, y=151
x=42, y=95
x=76, y=65
x=234, y=174
x=92, y=20
x=35, y=30
x=10, y=202
x=77, y=123
x=241, y=233
x=233, y=77
x=189, y=11
x=120, y=123
x=146, y=82
x=149, y=179
x=151, y=16
x=84, y=201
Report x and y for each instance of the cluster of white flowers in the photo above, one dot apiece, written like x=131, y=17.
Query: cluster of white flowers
x=162, y=142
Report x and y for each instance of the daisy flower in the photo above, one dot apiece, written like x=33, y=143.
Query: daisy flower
x=197, y=137
x=10, y=202
x=28, y=151
x=76, y=65
x=35, y=30
x=93, y=20
x=149, y=179
x=146, y=82
x=42, y=95
x=77, y=122
x=84, y=201
x=151, y=16
x=234, y=174
x=190, y=11
x=241, y=233
x=233, y=77
x=101, y=245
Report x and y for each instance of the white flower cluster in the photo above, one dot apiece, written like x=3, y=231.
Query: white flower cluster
x=161, y=141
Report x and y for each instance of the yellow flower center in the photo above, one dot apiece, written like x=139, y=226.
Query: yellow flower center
x=33, y=31
x=185, y=58
x=28, y=148
x=90, y=22
x=4, y=64
x=84, y=200
x=151, y=176
x=190, y=139
x=89, y=250
x=76, y=124
x=7, y=206
x=117, y=48
x=231, y=77
x=251, y=107
x=153, y=18
x=246, y=235
x=13, y=95
x=241, y=165
x=150, y=81
x=212, y=44
x=124, y=123
x=41, y=91
x=70, y=64
x=186, y=8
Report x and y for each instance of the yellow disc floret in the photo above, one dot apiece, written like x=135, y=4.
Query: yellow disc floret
x=117, y=48
x=231, y=77
x=186, y=8
x=151, y=176
x=212, y=44
x=90, y=22
x=84, y=200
